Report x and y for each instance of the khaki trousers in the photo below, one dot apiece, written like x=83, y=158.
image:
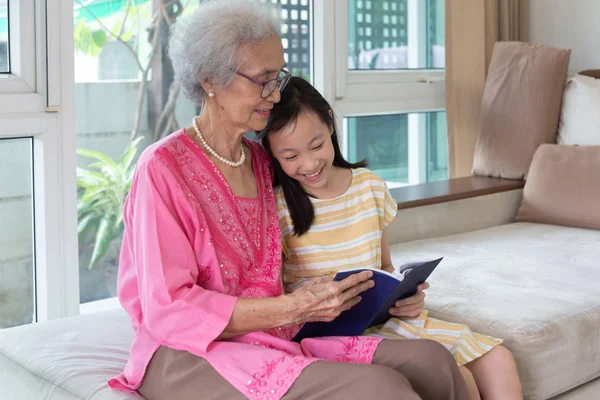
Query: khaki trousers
x=401, y=369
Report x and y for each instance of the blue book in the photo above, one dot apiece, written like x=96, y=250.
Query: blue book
x=373, y=308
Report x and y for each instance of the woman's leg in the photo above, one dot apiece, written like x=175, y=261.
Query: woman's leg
x=471, y=385
x=428, y=366
x=179, y=375
x=344, y=381
x=496, y=375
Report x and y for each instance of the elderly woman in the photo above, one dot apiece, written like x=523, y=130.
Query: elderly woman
x=201, y=256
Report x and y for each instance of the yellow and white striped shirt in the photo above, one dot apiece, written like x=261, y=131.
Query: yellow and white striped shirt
x=346, y=231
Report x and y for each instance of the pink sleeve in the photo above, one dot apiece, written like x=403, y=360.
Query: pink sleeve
x=175, y=309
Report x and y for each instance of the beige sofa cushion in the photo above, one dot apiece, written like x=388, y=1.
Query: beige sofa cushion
x=520, y=108
x=563, y=187
x=534, y=285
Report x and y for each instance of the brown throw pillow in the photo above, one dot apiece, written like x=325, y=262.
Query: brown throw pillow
x=520, y=108
x=563, y=187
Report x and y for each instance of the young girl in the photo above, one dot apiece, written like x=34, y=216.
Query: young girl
x=333, y=215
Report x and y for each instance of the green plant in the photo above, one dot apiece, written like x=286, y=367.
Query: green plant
x=102, y=189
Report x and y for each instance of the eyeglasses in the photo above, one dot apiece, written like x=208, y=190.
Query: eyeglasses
x=269, y=86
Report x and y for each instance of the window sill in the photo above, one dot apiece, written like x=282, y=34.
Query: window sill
x=452, y=189
x=99, y=305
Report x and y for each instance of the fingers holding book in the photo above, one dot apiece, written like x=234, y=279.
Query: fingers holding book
x=322, y=299
x=410, y=307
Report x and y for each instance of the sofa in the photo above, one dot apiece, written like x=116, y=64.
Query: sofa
x=534, y=285
x=523, y=264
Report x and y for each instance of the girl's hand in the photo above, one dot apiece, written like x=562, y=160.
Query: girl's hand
x=412, y=306
x=323, y=299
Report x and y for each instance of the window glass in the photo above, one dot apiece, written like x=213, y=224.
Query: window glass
x=4, y=38
x=401, y=148
x=396, y=34
x=16, y=236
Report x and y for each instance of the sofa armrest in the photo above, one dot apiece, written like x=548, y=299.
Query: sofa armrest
x=451, y=217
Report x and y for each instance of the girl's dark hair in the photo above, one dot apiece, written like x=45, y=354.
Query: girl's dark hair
x=298, y=96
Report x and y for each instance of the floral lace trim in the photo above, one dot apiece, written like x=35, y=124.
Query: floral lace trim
x=276, y=376
x=251, y=217
x=358, y=350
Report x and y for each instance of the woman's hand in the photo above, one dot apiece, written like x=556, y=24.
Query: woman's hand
x=323, y=299
x=412, y=306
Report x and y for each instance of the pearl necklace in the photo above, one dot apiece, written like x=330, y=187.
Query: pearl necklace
x=213, y=152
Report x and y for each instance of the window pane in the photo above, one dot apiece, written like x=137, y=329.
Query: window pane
x=4, y=37
x=395, y=34
x=403, y=149
x=437, y=146
x=109, y=75
x=16, y=235
x=295, y=34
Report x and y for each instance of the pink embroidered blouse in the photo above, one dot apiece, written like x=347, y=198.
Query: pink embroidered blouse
x=190, y=249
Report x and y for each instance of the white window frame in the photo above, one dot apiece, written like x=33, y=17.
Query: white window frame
x=24, y=89
x=355, y=93
x=364, y=92
x=56, y=275
x=36, y=100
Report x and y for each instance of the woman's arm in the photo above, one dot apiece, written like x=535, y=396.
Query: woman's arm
x=320, y=299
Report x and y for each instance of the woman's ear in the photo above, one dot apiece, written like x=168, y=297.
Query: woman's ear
x=208, y=88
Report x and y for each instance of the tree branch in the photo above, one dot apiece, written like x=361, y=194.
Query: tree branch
x=125, y=17
x=131, y=50
x=144, y=83
x=165, y=13
x=167, y=113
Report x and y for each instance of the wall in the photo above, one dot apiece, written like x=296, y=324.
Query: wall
x=572, y=24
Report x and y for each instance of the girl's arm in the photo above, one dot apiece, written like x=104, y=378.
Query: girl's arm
x=412, y=306
x=386, y=258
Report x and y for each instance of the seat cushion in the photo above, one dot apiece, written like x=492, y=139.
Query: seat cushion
x=534, y=285
x=65, y=359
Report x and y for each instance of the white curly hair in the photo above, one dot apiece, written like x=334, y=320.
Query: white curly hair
x=204, y=45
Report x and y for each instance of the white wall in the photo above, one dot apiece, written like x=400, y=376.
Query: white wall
x=572, y=24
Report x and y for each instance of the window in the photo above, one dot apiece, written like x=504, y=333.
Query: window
x=388, y=86
x=403, y=149
x=4, y=38
x=37, y=206
x=396, y=34
x=23, y=80
x=16, y=237
x=111, y=73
